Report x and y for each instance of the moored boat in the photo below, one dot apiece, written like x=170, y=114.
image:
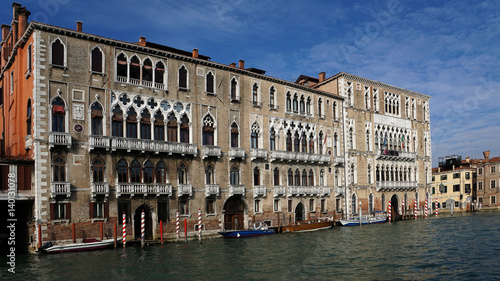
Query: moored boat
x=86, y=245
x=257, y=230
x=364, y=221
x=310, y=225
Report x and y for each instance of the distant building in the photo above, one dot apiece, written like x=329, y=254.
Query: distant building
x=488, y=180
x=387, y=139
x=453, y=184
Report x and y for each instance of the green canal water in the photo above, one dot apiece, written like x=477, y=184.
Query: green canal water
x=458, y=247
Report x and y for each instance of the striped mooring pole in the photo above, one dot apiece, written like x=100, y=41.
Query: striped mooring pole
x=437, y=208
x=143, y=228
x=425, y=207
x=177, y=225
x=415, y=212
x=199, y=225
x=390, y=211
x=124, y=227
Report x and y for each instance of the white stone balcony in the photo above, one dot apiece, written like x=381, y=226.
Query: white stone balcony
x=395, y=155
x=296, y=190
x=259, y=191
x=312, y=190
x=324, y=159
x=236, y=153
x=153, y=146
x=279, y=190
x=184, y=190
x=60, y=189
x=339, y=161
x=339, y=191
x=258, y=153
x=212, y=190
x=324, y=191
x=313, y=158
x=58, y=138
x=144, y=189
x=211, y=151
x=96, y=141
x=280, y=155
x=100, y=188
x=396, y=185
x=236, y=190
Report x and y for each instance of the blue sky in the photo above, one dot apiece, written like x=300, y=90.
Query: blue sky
x=446, y=49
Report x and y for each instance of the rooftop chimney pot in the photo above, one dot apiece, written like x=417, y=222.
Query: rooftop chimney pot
x=322, y=76
x=195, y=53
x=79, y=26
x=142, y=39
x=242, y=64
x=486, y=155
x=233, y=64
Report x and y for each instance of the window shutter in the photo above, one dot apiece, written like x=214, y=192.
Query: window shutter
x=106, y=210
x=146, y=120
x=159, y=122
x=118, y=117
x=68, y=211
x=96, y=113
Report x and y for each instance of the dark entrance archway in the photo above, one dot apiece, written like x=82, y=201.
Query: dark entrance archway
x=148, y=234
x=396, y=216
x=234, y=210
x=299, y=212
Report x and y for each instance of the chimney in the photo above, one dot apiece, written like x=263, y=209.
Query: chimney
x=5, y=31
x=15, y=6
x=195, y=53
x=142, y=39
x=242, y=64
x=322, y=76
x=23, y=21
x=79, y=25
x=486, y=155
x=467, y=159
x=233, y=64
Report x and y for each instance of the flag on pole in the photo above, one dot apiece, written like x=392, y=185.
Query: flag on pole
x=403, y=141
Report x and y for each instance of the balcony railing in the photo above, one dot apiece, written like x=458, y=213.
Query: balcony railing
x=280, y=155
x=60, y=188
x=308, y=190
x=153, y=146
x=339, y=191
x=211, y=151
x=324, y=191
x=279, y=191
x=258, y=153
x=58, y=138
x=98, y=142
x=144, y=189
x=296, y=190
x=236, y=153
x=259, y=191
x=100, y=188
x=396, y=185
x=386, y=154
x=184, y=190
x=212, y=190
x=236, y=190
x=339, y=161
x=138, y=82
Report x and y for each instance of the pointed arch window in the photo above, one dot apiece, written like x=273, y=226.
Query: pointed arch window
x=97, y=61
x=320, y=108
x=59, y=169
x=184, y=130
x=208, y=130
x=288, y=102
x=122, y=170
x=234, y=135
x=295, y=103
x=256, y=176
x=134, y=70
x=304, y=177
x=159, y=73
x=172, y=128
x=297, y=177
x=183, y=79
x=161, y=172
x=98, y=170
x=58, y=53
x=276, y=177
x=322, y=178
x=148, y=172
x=311, y=178
x=145, y=125
x=96, y=116
x=131, y=123
x=272, y=139
x=303, y=140
x=308, y=105
x=234, y=175
x=117, y=122
x=290, y=177
x=121, y=67
x=234, y=89
x=272, y=93
x=302, y=105
x=147, y=72
x=289, y=141
x=255, y=94
x=159, y=127
x=296, y=142
x=28, y=118
x=320, y=142
x=182, y=173
x=254, y=136
x=135, y=171
x=209, y=83
x=311, y=143
x=209, y=174
x=58, y=115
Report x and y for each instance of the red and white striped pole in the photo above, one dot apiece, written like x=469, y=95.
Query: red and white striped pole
x=199, y=225
x=425, y=207
x=143, y=228
x=415, y=213
x=390, y=211
x=177, y=225
x=124, y=226
x=437, y=208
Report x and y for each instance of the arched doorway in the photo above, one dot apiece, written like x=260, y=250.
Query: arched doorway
x=395, y=208
x=299, y=212
x=148, y=234
x=234, y=210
